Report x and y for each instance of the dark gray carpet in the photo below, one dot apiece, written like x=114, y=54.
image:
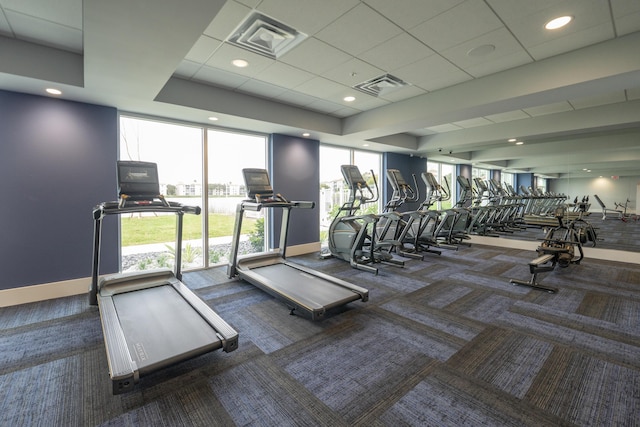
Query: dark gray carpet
x=447, y=341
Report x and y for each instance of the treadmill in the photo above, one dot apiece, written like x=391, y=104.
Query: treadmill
x=150, y=319
x=302, y=289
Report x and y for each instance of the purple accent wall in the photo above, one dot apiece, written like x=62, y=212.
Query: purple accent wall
x=57, y=161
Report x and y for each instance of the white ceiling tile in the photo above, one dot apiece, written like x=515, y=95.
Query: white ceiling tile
x=526, y=19
x=626, y=14
x=64, y=12
x=5, y=29
x=217, y=77
x=572, y=41
x=405, y=92
x=187, y=69
x=508, y=116
x=628, y=24
x=431, y=73
x=501, y=39
x=457, y=25
x=502, y=63
x=250, y=3
x=365, y=102
x=284, y=75
x=449, y=127
x=409, y=13
x=307, y=16
x=315, y=56
x=543, y=110
x=231, y=14
x=322, y=88
x=352, y=72
x=358, y=30
x=472, y=123
x=396, y=52
x=45, y=32
x=203, y=49
x=226, y=53
x=594, y=101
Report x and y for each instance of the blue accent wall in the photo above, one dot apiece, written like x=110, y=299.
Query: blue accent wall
x=57, y=161
x=525, y=179
x=295, y=173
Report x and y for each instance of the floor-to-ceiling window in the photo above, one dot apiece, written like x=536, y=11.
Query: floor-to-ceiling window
x=227, y=154
x=147, y=240
x=333, y=191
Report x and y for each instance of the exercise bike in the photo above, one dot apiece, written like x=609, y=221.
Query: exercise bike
x=558, y=248
x=352, y=237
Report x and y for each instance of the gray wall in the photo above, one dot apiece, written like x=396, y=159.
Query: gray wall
x=57, y=160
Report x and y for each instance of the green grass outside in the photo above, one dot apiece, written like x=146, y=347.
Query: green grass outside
x=160, y=229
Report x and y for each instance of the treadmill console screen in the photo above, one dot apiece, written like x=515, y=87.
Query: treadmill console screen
x=138, y=180
x=257, y=182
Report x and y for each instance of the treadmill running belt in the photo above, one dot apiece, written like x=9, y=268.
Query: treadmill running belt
x=161, y=328
x=302, y=286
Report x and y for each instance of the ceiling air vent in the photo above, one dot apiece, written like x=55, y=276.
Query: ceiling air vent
x=381, y=85
x=265, y=36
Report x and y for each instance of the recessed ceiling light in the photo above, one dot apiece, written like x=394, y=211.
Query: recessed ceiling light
x=349, y=98
x=240, y=63
x=559, y=22
x=213, y=119
x=54, y=91
x=306, y=134
x=519, y=143
x=512, y=140
x=365, y=145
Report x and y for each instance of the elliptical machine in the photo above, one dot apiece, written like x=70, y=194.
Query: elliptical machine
x=353, y=237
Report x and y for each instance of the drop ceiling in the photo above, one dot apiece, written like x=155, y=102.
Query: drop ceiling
x=474, y=73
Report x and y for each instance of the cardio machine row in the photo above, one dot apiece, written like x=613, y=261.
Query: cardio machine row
x=395, y=235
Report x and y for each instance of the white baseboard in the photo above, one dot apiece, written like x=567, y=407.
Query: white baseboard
x=595, y=253
x=45, y=291
x=307, y=248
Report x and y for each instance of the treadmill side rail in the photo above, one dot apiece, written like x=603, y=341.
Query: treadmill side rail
x=122, y=369
x=226, y=333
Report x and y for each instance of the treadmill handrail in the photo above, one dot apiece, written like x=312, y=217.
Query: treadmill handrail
x=251, y=205
x=114, y=208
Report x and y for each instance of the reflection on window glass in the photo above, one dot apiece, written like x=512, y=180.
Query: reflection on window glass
x=228, y=154
x=148, y=240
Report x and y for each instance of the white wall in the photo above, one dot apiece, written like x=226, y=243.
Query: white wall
x=609, y=190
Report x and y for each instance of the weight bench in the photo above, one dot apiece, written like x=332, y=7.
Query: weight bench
x=605, y=209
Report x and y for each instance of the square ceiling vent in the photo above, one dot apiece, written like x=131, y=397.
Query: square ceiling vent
x=265, y=36
x=381, y=85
